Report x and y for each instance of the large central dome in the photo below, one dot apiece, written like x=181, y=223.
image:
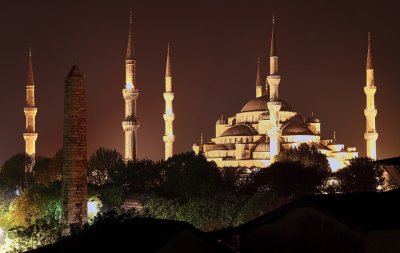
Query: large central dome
x=261, y=104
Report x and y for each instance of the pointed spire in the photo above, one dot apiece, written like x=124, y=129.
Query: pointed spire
x=30, y=80
x=130, y=51
x=258, y=79
x=273, y=44
x=168, y=65
x=201, y=138
x=370, y=64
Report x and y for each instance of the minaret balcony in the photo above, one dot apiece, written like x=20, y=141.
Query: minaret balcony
x=129, y=126
x=130, y=94
x=368, y=112
x=371, y=135
x=168, y=96
x=30, y=136
x=168, y=138
x=370, y=90
x=169, y=117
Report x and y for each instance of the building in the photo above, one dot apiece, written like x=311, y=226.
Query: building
x=356, y=222
x=130, y=123
x=266, y=126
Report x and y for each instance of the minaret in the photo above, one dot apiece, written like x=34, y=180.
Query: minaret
x=130, y=94
x=30, y=110
x=259, y=87
x=370, y=111
x=274, y=104
x=169, y=115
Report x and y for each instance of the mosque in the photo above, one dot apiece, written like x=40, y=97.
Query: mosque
x=268, y=125
x=265, y=126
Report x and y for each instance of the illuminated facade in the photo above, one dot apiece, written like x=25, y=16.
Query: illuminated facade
x=30, y=135
x=370, y=111
x=265, y=126
x=169, y=115
x=130, y=123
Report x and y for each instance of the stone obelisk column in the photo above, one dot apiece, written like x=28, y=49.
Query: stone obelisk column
x=74, y=170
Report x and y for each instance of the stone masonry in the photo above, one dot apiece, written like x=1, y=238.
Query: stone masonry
x=74, y=170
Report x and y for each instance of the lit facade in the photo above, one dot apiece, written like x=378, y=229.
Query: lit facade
x=130, y=123
x=266, y=126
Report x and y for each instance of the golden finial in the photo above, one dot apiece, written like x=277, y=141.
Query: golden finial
x=130, y=18
x=201, y=138
x=369, y=35
x=273, y=19
x=334, y=137
x=30, y=52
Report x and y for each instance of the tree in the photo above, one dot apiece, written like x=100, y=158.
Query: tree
x=289, y=179
x=362, y=175
x=37, y=202
x=309, y=156
x=48, y=170
x=101, y=163
x=187, y=174
x=258, y=204
x=13, y=172
x=138, y=176
x=205, y=213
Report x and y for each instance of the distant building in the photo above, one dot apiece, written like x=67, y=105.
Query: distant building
x=357, y=223
x=267, y=125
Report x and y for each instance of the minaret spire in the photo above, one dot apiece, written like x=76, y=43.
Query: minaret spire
x=130, y=94
x=30, y=135
x=168, y=65
x=259, y=89
x=169, y=115
x=274, y=104
x=370, y=63
x=130, y=50
x=272, y=51
x=370, y=112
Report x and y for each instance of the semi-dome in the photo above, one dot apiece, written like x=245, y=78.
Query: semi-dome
x=264, y=116
x=261, y=104
x=262, y=147
x=296, y=129
x=238, y=130
x=313, y=120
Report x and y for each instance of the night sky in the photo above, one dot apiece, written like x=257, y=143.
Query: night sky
x=214, y=48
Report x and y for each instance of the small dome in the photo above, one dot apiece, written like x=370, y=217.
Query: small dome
x=261, y=104
x=222, y=121
x=262, y=147
x=264, y=116
x=238, y=130
x=296, y=129
x=313, y=120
